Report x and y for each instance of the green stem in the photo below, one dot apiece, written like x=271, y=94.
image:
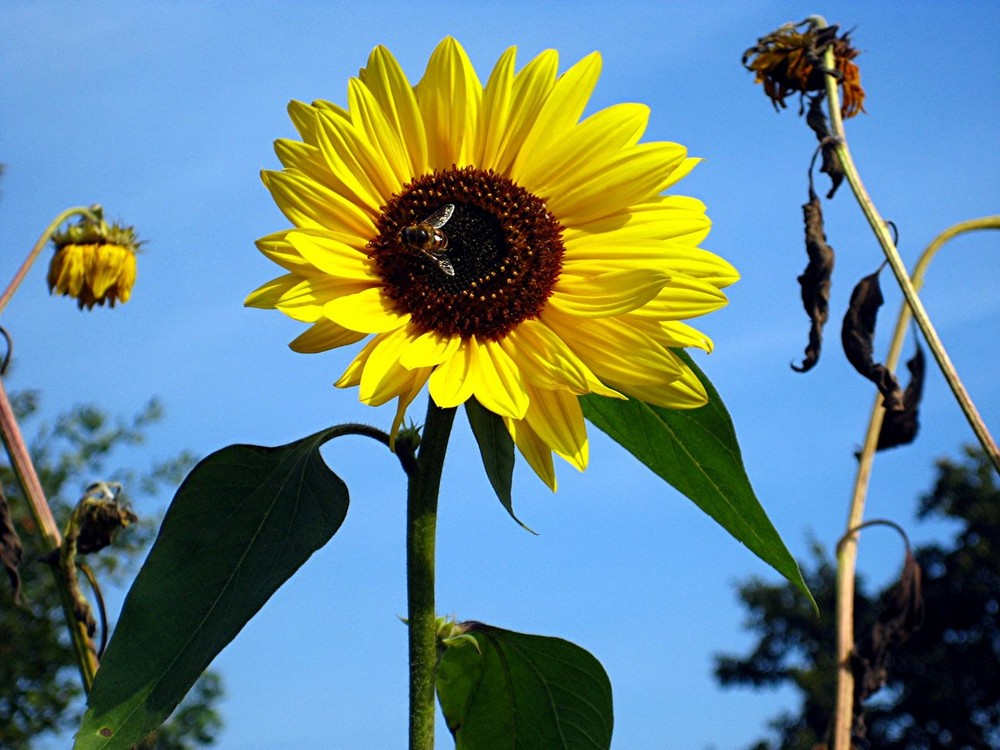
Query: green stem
x=421, y=525
x=42, y=241
x=48, y=530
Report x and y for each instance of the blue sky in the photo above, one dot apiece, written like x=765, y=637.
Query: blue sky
x=165, y=113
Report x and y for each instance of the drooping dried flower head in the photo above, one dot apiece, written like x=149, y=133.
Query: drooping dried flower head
x=94, y=262
x=790, y=60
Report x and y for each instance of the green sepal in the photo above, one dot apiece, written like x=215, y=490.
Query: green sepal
x=523, y=692
x=243, y=521
x=696, y=451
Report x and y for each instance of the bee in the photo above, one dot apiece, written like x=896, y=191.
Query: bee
x=428, y=237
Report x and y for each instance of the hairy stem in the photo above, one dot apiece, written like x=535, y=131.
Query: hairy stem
x=421, y=525
x=42, y=241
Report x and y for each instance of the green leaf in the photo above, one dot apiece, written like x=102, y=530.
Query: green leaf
x=696, y=451
x=497, y=449
x=242, y=522
x=523, y=692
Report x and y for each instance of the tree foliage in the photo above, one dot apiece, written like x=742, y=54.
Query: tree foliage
x=943, y=689
x=40, y=691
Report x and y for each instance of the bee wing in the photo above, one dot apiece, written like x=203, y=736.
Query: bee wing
x=440, y=217
x=445, y=265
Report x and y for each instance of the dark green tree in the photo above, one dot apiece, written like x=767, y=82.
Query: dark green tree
x=40, y=692
x=943, y=688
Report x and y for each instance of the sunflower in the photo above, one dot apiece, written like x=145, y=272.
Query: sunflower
x=94, y=263
x=493, y=245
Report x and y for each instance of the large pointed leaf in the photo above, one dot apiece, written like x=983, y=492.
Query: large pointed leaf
x=497, y=449
x=523, y=692
x=242, y=522
x=696, y=451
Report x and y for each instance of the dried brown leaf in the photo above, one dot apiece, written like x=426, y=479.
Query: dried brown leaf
x=858, y=336
x=831, y=166
x=815, y=280
x=899, y=619
x=899, y=427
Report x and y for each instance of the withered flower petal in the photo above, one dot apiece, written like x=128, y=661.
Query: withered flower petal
x=790, y=60
x=858, y=336
x=815, y=280
x=850, y=77
x=900, y=427
x=899, y=619
x=100, y=518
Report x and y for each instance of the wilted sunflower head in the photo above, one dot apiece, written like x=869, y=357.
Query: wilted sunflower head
x=94, y=262
x=493, y=245
x=790, y=60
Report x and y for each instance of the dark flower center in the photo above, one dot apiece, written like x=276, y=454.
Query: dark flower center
x=467, y=253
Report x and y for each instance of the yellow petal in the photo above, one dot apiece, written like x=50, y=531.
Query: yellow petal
x=303, y=117
x=367, y=310
x=548, y=363
x=630, y=176
x=429, y=350
x=417, y=379
x=561, y=112
x=531, y=88
x=661, y=218
x=332, y=256
x=606, y=294
x=672, y=334
x=385, y=79
x=535, y=450
x=683, y=298
x=499, y=386
x=352, y=375
x=324, y=335
x=449, y=96
x=682, y=171
x=323, y=107
x=454, y=380
x=600, y=136
x=670, y=256
x=686, y=392
x=105, y=266
x=360, y=171
x=265, y=296
x=304, y=158
x=306, y=203
x=384, y=378
x=308, y=299
x=557, y=419
x=497, y=100
x=614, y=351
x=380, y=133
x=276, y=247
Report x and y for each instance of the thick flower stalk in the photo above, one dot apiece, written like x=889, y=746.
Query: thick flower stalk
x=493, y=246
